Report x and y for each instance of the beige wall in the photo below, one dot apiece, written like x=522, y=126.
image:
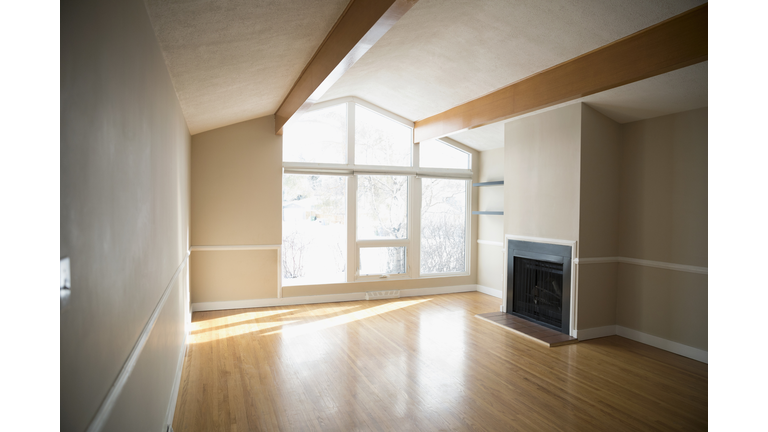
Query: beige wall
x=124, y=216
x=668, y=304
x=237, y=185
x=663, y=211
x=597, y=289
x=598, y=219
x=233, y=275
x=491, y=228
x=542, y=173
x=599, y=206
x=663, y=217
x=236, y=200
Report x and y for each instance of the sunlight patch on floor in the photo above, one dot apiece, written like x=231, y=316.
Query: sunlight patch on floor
x=311, y=327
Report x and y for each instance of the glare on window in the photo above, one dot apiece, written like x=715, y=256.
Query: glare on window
x=380, y=140
x=437, y=154
x=317, y=136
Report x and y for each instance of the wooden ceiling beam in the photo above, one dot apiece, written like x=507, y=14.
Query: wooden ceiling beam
x=360, y=26
x=672, y=44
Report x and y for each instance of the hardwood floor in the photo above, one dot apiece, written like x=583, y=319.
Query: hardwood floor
x=422, y=363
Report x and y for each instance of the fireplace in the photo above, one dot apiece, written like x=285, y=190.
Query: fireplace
x=539, y=283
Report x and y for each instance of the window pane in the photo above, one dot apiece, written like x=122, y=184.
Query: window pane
x=436, y=154
x=443, y=225
x=317, y=136
x=314, y=229
x=380, y=140
x=382, y=260
x=382, y=207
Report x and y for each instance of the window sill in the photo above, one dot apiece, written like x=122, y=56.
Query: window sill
x=377, y=279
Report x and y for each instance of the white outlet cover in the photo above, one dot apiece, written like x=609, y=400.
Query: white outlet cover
x=65, y=281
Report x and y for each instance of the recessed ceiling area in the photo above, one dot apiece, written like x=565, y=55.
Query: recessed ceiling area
x=681, y=90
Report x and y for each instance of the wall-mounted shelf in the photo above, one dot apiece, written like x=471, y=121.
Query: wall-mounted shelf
x=493, y=183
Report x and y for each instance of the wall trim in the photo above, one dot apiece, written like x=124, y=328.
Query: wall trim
x=324, y=298
x=599, y=260
x=665, y=344
x=490, y=291
x=491, y=243
x=177, y=380
x=646, y=263
x=644, y=338
x=595, y=332
x=105, y=409
x=171, y=411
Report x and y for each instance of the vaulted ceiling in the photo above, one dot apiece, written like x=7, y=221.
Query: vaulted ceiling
x=235, y=60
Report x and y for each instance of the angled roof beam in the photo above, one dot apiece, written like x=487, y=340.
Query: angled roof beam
x=672, y=44
x=360, y=26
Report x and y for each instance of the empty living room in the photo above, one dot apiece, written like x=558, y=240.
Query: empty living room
x=404, y=215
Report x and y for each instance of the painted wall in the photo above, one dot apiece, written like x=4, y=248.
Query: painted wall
x=124, y=216
x=542, y=171
x=598, y=218
x=491, y=228
x=663, y=217
x=236, y=200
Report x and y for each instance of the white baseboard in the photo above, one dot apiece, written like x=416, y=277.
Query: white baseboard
x=490, y=291
x=667, y=345
x=437, y=290
x=654, y=341
x=177, y=380
x=328, y=298
x=595, y=332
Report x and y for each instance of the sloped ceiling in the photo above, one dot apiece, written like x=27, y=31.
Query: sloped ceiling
x=232, y=61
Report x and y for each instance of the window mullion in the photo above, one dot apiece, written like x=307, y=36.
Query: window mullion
x=351, y=229
x=350, y=133
x=414, y=223
x=351, y=198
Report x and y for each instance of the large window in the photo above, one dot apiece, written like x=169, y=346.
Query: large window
x=314, y=229
x=361, y=201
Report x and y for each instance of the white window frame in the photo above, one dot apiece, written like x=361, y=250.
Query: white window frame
x=414, y=172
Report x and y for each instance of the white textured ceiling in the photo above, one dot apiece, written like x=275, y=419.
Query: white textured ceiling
x=443, y=53
x=232, y=61
x=681, y=90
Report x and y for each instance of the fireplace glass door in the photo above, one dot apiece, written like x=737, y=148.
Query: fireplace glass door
x=538, y=291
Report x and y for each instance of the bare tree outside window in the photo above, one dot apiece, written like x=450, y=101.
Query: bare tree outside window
x=314, y=229
x=382, y=207
x=380, y=140
x=443, y=225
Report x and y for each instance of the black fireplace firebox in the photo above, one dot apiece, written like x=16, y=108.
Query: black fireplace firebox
x=539, y=283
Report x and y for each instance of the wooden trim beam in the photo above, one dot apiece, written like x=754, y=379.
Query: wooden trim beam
x=672, y=44
x=360, y=26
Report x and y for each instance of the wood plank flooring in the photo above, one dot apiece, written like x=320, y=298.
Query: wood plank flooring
x=422, y=364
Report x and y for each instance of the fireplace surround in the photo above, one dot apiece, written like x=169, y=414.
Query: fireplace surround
x=538, y=284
